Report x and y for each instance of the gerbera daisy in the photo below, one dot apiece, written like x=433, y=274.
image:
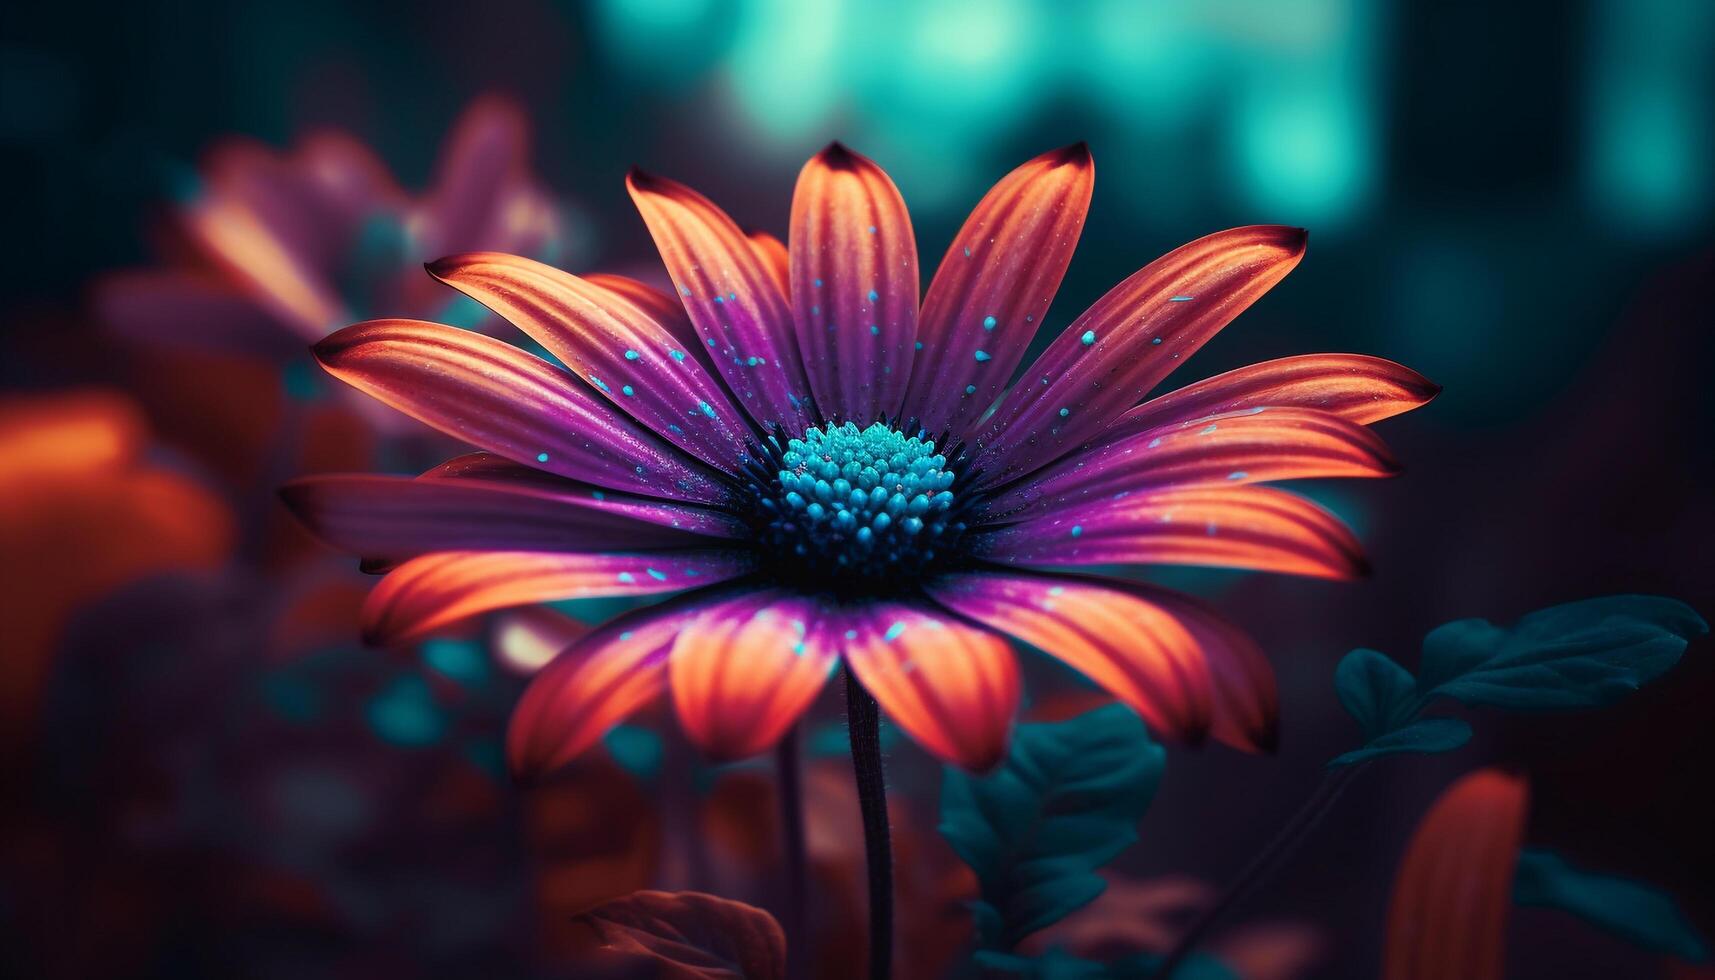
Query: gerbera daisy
x=829, y=470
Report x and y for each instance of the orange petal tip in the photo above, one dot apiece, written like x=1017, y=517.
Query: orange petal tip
x=1290, y=238
x=639, y=179
x=446, y=266
x=1074, y=154
x=329, y=348
x=838, y=156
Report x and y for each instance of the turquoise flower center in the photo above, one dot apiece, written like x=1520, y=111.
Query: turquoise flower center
x=865, y=509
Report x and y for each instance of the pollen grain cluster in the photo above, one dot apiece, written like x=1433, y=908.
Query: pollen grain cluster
x=859, y=509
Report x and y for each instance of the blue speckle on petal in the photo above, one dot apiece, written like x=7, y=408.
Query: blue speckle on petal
x=632, y=355
x=1065, y=412
x=627, y=390
x=1156, y=341
x=894, y=631
x=982, y=356
x=989, y=322
x=873, y=296
x=1088, y=338
x=1077, y=530
x=541, y=457
x=1181, y=299
x=656, y=575
x=970, y=389
x=627, y=577
x=707, y=409
x=677, y=355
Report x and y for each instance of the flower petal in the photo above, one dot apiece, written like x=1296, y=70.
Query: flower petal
x=1246, y=698
x=493, y=471
x=634, y=360
x=499, y=398
x=1135, y=649
x=686, y=936
x=350, y=176
x=394, y=517
x=731, y=297
x=185, y=309
x=1131, y=339
x=282, y=278
x=992, y=290
x=1357, y=387
x=953, y=687
x=424, y=594
x=665, y=310
x=597, y=682
x=772, y=252
x=1453, y=891
x=1257, y=446
x=1232, y=527
x=660, y=307
x=744, y=671
x=854, y=286
x=483, y=165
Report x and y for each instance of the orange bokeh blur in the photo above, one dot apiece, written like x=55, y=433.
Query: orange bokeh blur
x=83, y=512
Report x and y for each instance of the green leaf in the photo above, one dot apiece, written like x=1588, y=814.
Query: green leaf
x=1633, y=911
x=1423, y=737
x=1579, y=655
x=1065, y=801
x=1377, y=692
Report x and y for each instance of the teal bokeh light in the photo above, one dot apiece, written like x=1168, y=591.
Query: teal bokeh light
x=1243, y=101
x=1649, y=144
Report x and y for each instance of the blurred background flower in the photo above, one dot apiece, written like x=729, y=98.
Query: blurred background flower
x=1517, y=201
x=271, y=251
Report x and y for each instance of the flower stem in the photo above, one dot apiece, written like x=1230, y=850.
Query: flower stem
x=797, y=911
x=863, y=720
x=1266, y=861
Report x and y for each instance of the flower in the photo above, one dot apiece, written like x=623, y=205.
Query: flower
x=273, y=250
x=1454, y=887
x=813, y=455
